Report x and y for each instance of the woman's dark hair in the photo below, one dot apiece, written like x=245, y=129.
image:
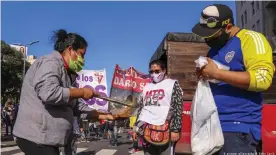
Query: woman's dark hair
x=62, y=40
x=159, y=63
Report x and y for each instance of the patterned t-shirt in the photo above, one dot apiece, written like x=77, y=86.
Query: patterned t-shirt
x=175, y=112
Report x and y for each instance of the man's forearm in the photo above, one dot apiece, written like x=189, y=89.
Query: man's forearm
x=237, y=79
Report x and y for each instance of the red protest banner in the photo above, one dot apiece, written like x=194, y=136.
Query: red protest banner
x=127, y=84
x=129, y=79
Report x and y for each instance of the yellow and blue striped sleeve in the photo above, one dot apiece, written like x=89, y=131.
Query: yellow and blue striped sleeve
x=258, y=60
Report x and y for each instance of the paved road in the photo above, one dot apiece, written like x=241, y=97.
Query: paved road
x=100, y=147
x=97, y=147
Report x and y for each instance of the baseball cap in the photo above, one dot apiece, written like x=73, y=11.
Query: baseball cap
x=213, y=19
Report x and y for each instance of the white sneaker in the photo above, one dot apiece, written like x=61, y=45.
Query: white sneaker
x=132, y=151
x=137, y=152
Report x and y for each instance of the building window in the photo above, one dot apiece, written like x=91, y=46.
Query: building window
x=242, y=21
x=258, y=28
x=253, y=27
x=245, y=18
x=253, y=8
x=257, y=5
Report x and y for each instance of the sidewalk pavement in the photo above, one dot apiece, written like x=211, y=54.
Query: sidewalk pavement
x=7, y=141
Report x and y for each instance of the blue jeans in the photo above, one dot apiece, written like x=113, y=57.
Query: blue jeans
x=237, y=142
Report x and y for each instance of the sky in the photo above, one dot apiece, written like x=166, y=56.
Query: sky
x=124, y=33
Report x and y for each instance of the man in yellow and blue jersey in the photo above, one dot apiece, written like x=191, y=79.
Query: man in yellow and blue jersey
x=239, y=94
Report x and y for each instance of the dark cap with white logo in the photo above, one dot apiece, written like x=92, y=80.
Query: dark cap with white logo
x=213, y=19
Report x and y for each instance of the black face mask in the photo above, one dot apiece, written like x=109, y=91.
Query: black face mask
x=219, y=41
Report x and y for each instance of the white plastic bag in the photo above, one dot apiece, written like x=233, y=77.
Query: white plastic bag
x=207, y=137
x=202, y=61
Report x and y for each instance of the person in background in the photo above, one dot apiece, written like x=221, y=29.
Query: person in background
x=102, y=126
x=47, y=91
x=107, y=129
x=134, y=142
x=113, y=129
x=85, y=125
x=132, y=121
x=121, y=126
x=16, y=107
x=126, y=123
x=239, y=94
x=160, y=101
x=8, y=114
x=97, y=129
x=2, y=120
x=92, y=129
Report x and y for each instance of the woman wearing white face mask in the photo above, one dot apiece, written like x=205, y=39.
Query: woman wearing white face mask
x=159, y=118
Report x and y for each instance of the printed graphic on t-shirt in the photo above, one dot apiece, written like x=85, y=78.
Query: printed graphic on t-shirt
x=153, y=97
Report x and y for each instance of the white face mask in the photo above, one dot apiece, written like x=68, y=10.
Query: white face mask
x=157, y=77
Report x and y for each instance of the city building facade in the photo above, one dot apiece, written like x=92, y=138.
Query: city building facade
x=31, y=59
x=24, y=50
x=259, y=16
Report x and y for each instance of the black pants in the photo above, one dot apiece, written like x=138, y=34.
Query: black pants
x=31, y=148
x=160, y=150
x=9, y=123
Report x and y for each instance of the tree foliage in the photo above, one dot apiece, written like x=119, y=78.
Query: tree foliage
x=11, y=72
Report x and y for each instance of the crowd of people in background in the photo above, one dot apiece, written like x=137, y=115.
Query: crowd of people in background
x=109, y=130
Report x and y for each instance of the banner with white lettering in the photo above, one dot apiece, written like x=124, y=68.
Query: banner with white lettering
x=96, y=80
x=126, y=86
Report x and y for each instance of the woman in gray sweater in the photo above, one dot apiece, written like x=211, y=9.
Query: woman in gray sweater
x=48, y=100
